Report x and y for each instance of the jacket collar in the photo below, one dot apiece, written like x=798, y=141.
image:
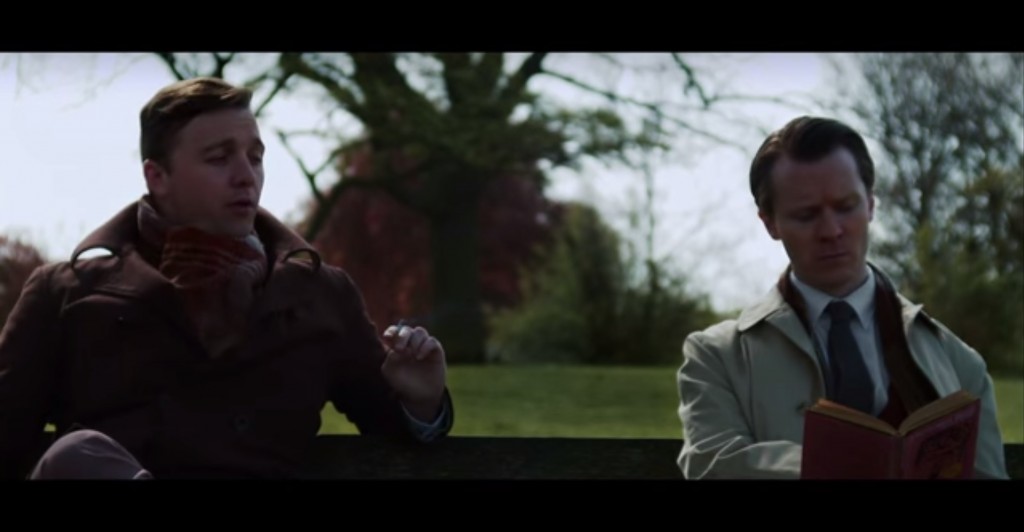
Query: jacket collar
x=773, y=308
x=120, y=236
x=127, y=273
x=775, y=311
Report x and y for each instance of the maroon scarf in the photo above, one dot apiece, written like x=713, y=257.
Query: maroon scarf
x=217, y=277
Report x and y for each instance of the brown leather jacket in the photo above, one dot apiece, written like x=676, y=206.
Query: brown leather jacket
x=104, y=343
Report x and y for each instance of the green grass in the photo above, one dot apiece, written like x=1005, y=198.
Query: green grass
x=1010, y=402
x=583, y=401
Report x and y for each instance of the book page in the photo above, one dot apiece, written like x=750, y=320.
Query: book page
x=935, y=410
x=838, y=411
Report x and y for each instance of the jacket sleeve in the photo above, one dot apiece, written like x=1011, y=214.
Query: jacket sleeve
x=361, y=392
x=28, y=357
x=717, y=440
x=990, y=453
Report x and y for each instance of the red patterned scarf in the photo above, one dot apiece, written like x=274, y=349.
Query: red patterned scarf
x=217, y=277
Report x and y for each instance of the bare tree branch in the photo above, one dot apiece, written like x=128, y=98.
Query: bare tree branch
x=172, y=63
x=532, y=66
x=383, y=85
x=654, y=109
x=318, y=133
x=310, y=175
x=183, y=70
x=455, y=67
x=294, y=64
x=609, y=95
x=491, y=66
x=279, y=84
x=611, y=59
x=691, y=80
x=323, y=209
x=221, y=61
x=332, y=68
x=779, y=100
x=256, y=80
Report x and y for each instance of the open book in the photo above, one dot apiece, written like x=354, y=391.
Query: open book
x=937, y=441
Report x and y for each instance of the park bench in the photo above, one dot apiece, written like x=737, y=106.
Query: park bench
x=472, y=457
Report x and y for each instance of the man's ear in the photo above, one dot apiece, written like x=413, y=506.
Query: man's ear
x=156, y=177
x=769, y=224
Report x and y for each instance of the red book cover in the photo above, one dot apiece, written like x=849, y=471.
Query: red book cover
x=943, y=447
x=935, y=442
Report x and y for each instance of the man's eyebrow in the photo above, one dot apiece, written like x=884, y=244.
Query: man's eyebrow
x=226, y=143
x=804, y=207
x=804, y=211
x=852, y=196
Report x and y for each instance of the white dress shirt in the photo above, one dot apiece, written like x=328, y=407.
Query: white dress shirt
x=865, y=333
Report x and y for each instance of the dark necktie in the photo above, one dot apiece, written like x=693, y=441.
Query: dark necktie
x=851, y=383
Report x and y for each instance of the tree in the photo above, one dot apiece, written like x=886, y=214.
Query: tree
x=596, y=300
x=385, y=247
x=951, y=187
x=438, y=129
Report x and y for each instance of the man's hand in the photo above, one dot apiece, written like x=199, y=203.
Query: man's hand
x=415, y=367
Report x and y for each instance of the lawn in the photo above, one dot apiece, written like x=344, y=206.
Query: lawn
x=585, y=401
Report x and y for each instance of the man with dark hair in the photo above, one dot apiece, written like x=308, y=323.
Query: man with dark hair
x=209, y=340
x=833, y=326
